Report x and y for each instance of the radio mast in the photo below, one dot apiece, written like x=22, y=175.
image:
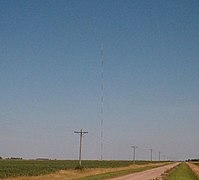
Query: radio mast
x=102, y=99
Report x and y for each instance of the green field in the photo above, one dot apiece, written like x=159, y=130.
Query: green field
x=13, y=168
x=181, y=172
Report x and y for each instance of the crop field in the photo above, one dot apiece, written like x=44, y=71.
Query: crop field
x=14, y=168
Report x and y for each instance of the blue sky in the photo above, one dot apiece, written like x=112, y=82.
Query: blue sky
x=50, y=78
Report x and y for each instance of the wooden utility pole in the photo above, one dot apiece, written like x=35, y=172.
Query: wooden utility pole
x=159, y=154
x=134, y=147
x=151, y=154
x=81, y=133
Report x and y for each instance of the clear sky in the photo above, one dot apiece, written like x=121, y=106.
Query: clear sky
x=50, y=78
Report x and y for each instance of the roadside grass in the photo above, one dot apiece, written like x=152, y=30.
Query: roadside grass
x=14, y=168
x=195, y=168
x=181, y=172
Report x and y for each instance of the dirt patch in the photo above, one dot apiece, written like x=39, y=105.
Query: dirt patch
x=74, y=174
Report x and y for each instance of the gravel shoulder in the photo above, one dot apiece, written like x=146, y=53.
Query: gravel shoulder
x=148, y=174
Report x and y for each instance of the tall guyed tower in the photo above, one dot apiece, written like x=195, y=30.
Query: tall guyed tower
x=102, y=99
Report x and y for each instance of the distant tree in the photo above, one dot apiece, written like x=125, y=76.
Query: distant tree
x=194, y=160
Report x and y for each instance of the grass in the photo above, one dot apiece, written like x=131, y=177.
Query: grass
x=14, y=168
x=181, y=172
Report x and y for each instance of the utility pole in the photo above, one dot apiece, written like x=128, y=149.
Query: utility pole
x=159, y=154
x=151, y=154
x=81, y=133
x=134, y=147
x=168, y=159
